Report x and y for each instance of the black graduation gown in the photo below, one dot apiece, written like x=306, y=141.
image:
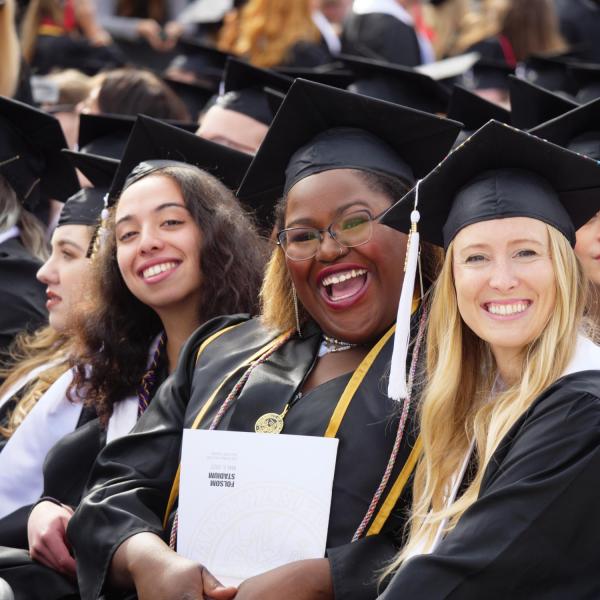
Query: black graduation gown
x=381, y=36
x=132, y=477
x=22, y=296
x=534, y=530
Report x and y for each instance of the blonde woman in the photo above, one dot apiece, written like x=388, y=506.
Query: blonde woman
x=505, y=502
x=272, y=33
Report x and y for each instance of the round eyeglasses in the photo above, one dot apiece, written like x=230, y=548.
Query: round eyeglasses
x=349, y=230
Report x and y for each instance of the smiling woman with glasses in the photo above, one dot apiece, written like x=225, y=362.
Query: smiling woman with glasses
x=310, y=367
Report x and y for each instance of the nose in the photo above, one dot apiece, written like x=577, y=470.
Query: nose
x=150, y=240
x=47, y=273
x=503, y=276
x=330, y=249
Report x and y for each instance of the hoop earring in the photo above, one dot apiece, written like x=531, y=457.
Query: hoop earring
x=296, y=313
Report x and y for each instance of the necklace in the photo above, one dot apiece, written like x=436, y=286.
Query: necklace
x=331, y=344
x=274, y=422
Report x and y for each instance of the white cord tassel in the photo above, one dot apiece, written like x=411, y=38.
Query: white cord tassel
x=397, y=386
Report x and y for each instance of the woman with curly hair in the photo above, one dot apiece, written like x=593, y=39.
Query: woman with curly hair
x=177, y=249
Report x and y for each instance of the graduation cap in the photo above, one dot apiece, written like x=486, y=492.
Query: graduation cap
x=549, y=72
x=532, y=104
x=586, y=81
x=204, y=61
x=243, y=89
x=319, y=128
x=30, y=157
x=335, y=77
x=487, y=74
x=473, y=110
x=155, y=144
x=578, y=130
x=85, y=207
x=395, y=83
x=196, y=96
x=107, y=134
x=502, y=172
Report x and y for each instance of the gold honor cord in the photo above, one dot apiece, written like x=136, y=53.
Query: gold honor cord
x=332, y=428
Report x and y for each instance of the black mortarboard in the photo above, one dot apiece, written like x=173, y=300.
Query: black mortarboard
x=578, y=130
x=339, y=78
x=206, y=62
x=585, y=78
x=104, y=134
x=153, y=142
x=502, y=172
x=473, y=110
x=549, y=72
x=30, y=157
x=195, y=96
x=487, y=74
x=532, y=104
x=84, y=207
x=319, y=128
x=243, y=89
x=107, y=134
x=395, y=83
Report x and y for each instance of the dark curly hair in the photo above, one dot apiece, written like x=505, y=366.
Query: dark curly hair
x=114, y=333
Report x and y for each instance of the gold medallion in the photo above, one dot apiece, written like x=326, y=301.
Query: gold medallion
x=269, y=423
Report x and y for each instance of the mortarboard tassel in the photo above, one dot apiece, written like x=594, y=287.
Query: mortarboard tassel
x=397, y=386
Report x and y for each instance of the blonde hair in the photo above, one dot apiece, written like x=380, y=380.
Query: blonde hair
x=9, y=50
x=455, y=409
x=36, y=10
x=264, y=31
x=28, y=352
x=276, y=296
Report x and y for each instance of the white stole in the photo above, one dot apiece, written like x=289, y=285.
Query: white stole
x=328, y=32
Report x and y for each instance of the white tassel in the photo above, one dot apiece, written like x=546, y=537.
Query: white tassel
x=397, y=386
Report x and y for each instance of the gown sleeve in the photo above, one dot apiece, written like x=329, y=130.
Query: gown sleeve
x=131, y=479
x=536, y=524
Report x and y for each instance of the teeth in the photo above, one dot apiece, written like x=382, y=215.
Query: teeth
x=342, y=276
x=507, y=309
x=156, y=269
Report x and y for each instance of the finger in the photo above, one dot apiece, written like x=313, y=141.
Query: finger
x=62, y=559
x=213, y=588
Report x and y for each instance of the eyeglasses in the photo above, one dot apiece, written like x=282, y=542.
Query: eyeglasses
x=350, y=230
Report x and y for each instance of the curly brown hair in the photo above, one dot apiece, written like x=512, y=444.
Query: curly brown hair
x=114, y=332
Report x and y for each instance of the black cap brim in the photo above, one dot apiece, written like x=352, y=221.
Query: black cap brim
x=395, y=83
x=99, y=170
x=473, y=110
x=532, y=104
x=152, y=139
x=575, y=178
x=310, y=108
x=43, y=134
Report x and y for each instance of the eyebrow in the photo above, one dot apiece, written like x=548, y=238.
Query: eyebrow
x=63, y=243
x=511, y=242
x=157, y=209
x=308, y=221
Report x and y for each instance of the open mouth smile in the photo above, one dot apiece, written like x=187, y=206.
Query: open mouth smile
x=158, y=271
x=343, y=287
x=507, y=309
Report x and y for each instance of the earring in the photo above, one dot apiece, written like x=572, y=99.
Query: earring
x=296, y=313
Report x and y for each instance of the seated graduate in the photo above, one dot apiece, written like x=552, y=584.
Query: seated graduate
x=577, y=130
x=177, y=249
x=313, y=362
x=505, y=502
x=32, y=172
x=39, y=359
